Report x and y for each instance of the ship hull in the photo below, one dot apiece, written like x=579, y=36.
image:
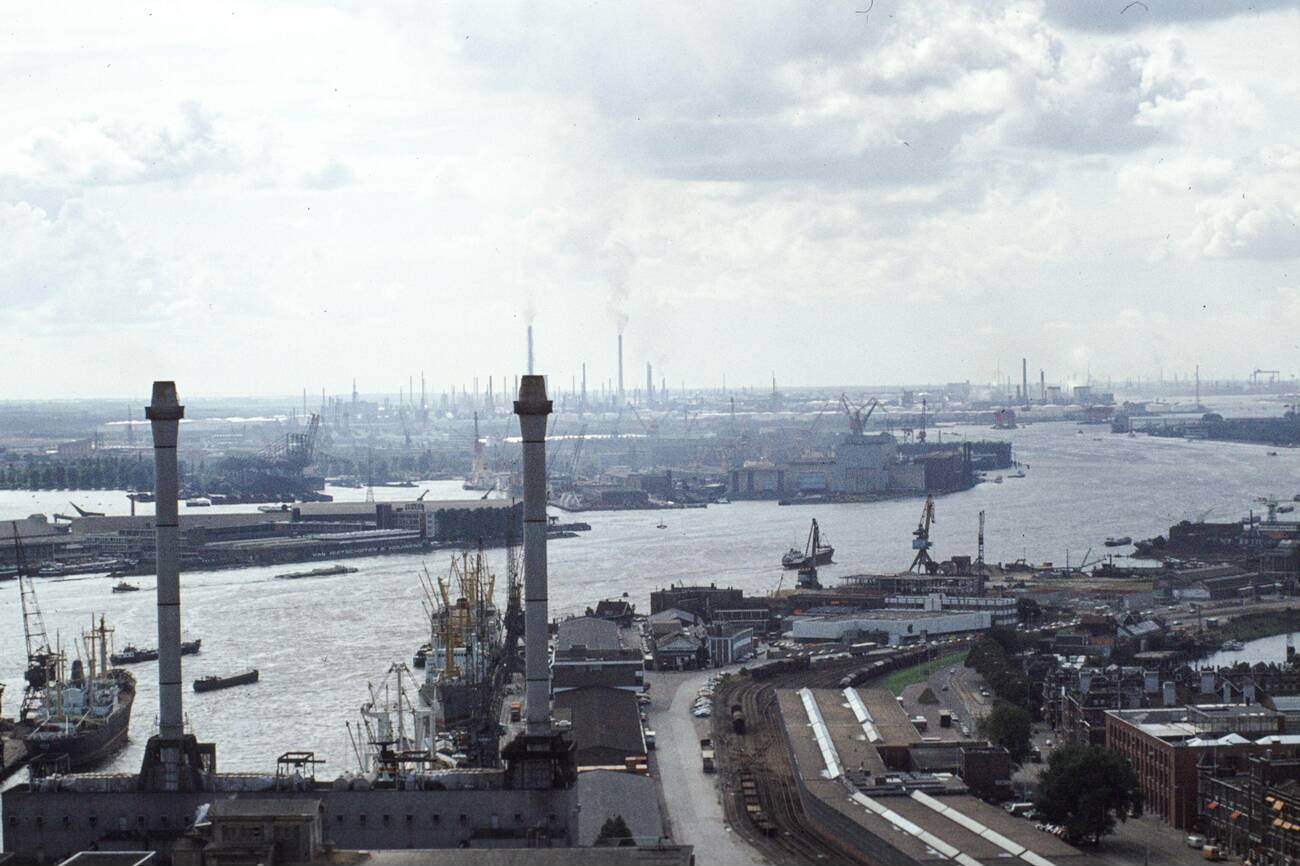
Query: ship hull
x=90, y=746
x=823, y=557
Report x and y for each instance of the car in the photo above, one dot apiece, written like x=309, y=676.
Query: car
x=1195, y=840
x=702, y=712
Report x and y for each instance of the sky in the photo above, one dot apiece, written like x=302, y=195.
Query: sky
x=255, y=198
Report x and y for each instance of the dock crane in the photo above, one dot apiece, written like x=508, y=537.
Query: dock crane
x=857, y=421
x=921, y=540
x=43, y=662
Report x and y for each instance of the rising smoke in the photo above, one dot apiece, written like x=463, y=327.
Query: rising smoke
x=618, y=262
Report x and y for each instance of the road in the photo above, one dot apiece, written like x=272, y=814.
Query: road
x=691, y=796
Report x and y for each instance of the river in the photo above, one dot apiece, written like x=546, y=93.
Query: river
x=318, y=642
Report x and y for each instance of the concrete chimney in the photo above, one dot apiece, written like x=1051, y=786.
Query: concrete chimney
x=532, y=407
x=530, y=350
x=649, y=383
x=620, y=370
x=164, y=415
x=1024, y=380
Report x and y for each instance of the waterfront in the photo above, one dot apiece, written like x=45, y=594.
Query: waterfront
x=317, y=642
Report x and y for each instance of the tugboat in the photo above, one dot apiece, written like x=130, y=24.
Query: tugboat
x=123, y=586
x=815, y=553
x=132, y=654
x=213, y=683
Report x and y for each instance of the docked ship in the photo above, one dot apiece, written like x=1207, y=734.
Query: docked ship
x=815, y=553
x=133, y=655
x=462, y=655
x=78, y=722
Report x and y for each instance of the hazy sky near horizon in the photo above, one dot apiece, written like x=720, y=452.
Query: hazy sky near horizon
x=253, y=198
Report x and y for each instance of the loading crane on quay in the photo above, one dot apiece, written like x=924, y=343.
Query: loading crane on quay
x=858, y=421
x=921, y=540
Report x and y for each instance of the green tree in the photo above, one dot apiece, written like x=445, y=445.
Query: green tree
x=1010, y=727
x=614, y=833
x=1087, y=789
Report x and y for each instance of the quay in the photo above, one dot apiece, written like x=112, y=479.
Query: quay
x=13, y=751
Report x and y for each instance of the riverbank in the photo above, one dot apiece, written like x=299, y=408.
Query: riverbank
x=1253, y=626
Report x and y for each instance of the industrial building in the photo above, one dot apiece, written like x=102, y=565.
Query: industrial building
x=530, y=800
x=899, y=627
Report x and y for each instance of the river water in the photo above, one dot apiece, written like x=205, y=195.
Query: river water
x=318, y=642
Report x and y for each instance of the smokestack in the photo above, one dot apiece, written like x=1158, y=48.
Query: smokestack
x=1042, y=387
x=1024, y=379
x=620, y=369
x=164, y=415
x=530, y=350
x=583, y=404
x=649, y=383
x=532, y=407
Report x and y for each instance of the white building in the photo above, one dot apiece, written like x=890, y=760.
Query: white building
x=899, y=626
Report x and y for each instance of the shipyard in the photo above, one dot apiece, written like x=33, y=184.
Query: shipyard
x=847, y=434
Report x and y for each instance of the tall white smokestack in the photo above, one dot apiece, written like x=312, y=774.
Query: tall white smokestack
x=649, y=383
x=532, y=407
x=620, y=369
x=530, y=350
x=164, y=415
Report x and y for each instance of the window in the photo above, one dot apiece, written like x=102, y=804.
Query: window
x=362, y=819
x=338, y=819
x=463, y=818
x=93, y=821
x=437, y=819
x=519, y=817
x=410, y=819
x=67, y=822
x=387, y=818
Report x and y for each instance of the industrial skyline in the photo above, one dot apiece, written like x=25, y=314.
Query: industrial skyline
x=1109, y=187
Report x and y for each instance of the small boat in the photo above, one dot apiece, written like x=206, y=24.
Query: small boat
x=1285, y=509
x=1233, y=645
x=1019, y=474
x=134, y=655
x=123, y=586
x=273, y=509
x=1272, y=454
x=198, y=502
x=661, y=524
x=213, y=683
x=329, y=571
x=1122, y=541
x=814, y=553
x=997, y=480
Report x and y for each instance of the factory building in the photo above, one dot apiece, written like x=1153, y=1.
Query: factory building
x=899, y=627
x=590, y=651
x=529, y=802
x=1004, y=611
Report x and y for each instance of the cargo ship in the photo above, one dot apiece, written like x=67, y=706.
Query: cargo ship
x=466, y=637
x=329, y=571
x=79, y=722
x=814, y=553
x=133, y=655
x=214, y=683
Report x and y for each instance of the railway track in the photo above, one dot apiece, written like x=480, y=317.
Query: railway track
x=761, y=794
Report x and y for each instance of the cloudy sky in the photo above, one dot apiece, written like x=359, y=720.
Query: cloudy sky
x=255, y=198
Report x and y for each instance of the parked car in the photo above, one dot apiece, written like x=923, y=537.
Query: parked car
x=1195, y=840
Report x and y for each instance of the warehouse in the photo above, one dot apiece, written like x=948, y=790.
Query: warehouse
x=899, y=626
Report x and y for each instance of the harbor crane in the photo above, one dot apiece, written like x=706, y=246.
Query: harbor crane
x=1271, y=374
x=857, y=421
x=921, y=540
x=43, y=662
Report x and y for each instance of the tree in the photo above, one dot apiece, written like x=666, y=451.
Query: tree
x=1010, y=727
x=1086, y=789
x=614, y=833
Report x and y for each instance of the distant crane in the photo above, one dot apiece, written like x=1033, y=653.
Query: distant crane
x=1272, y=376
x=921, y=540
x=857, y=421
